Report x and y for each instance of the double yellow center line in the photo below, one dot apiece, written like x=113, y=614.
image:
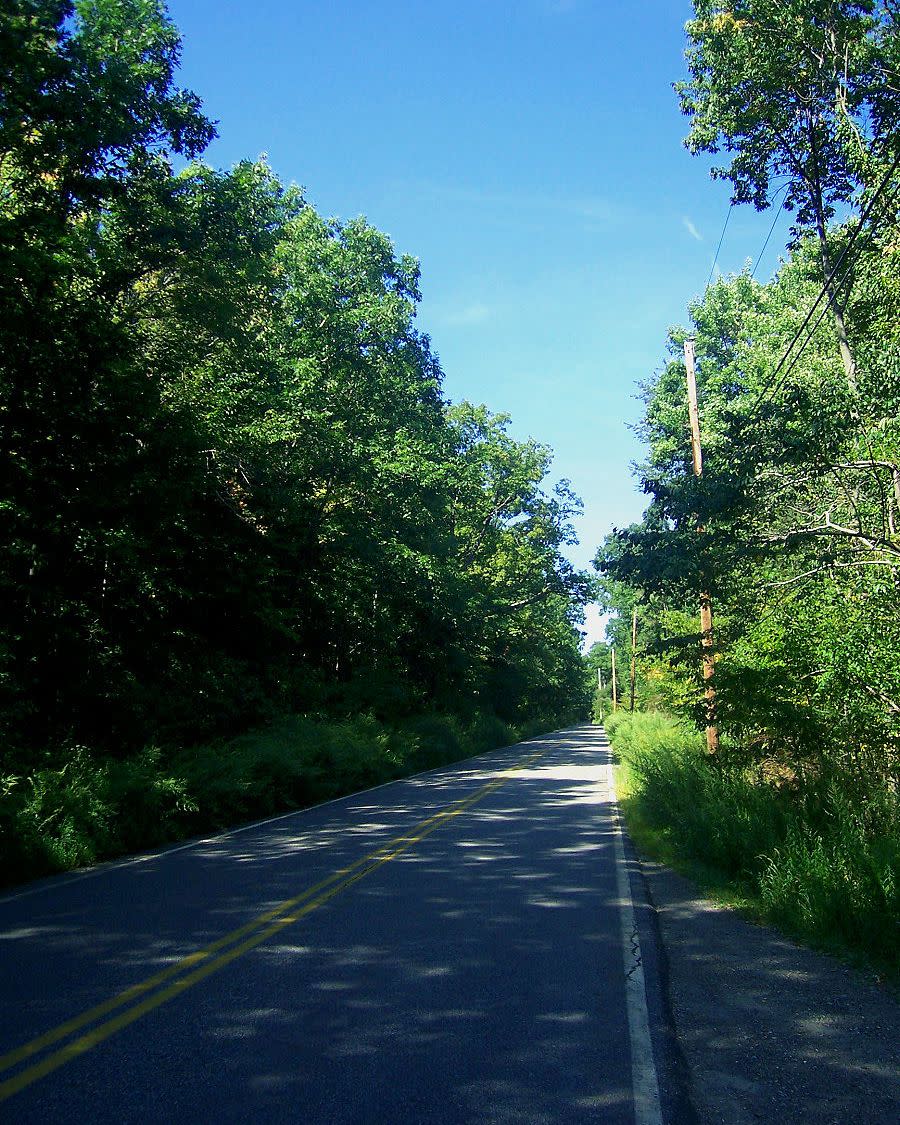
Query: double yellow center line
x=148, y=994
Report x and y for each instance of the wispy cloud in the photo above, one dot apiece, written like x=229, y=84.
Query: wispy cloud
x=467, y=315
x=691, y=229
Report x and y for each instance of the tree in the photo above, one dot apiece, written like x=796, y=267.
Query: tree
x=525, y=598
x=232, y=484
x=802, y=91
x=89, y=116
x=799, y=546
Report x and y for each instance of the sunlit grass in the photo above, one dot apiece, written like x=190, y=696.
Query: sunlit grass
x=821, y=861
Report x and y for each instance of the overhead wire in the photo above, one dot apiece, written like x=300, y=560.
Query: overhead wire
x=721, y=240
x=731, y=205
x=826, y=287
x=866, y=437
x=810, y=334
x=778, y=210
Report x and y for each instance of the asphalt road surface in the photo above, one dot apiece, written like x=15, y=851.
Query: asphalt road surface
x=467, y=945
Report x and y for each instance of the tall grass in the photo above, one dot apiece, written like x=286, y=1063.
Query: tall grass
x=819, y=857
x=81, y=808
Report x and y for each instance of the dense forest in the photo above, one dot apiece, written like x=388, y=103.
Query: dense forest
x=233, y=489
x=254, y=557
x=793, y=528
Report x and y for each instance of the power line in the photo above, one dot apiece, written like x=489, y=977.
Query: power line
x=827, y=285
x=781, y=191
x=778, y=211
x=721, y=239
x=796, y=358
x=810, y=334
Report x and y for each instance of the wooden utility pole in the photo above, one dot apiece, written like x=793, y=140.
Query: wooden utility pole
x=615, y=694
x=633, y=649
x=693, y=412
x=712, y=730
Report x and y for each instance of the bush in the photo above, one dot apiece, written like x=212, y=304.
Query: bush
x=487, y=732
x=86, y=809
x=57, y=818
x=148, y=805
x=82, y=808
x=436, y=740
x=839, y=878
x=821, y=859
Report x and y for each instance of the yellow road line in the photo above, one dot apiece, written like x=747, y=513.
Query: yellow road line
x=27, y=1050
x=307, y=901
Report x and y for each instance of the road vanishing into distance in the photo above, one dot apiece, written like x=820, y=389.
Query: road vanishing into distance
x=467, y=945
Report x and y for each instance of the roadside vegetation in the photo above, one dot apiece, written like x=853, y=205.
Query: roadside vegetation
x=793, y=529
x=235, y=498
x=93, y=807
x=819, y=861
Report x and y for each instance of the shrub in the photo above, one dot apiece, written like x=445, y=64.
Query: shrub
x=821, y=859
x=436, y=740
x=81, y=808
x=148, y=805
x=57, y=818
x=487, y=732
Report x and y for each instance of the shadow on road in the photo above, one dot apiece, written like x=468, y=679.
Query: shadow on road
x=772, y=1031
x=475, y=977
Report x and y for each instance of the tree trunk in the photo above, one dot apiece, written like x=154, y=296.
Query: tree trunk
x=836, y=311
x=814, y=186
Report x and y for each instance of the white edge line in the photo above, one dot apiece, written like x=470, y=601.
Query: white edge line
x=644, y=1079
x=63, y=879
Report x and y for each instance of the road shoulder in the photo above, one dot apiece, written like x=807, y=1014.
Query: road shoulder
x=771, y=1031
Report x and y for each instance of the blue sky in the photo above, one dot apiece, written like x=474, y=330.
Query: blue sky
x=529, y=153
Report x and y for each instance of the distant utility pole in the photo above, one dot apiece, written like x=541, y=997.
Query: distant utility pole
x=600, y=693
x=712, y=730
x=633, y=648
x=615, y=694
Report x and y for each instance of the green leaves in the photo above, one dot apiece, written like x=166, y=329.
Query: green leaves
x=796, y=515
x=234, y=485
x=777, y=86
x=792, y=528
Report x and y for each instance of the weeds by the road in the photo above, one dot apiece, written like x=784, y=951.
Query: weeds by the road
x=81, y=808
x=817, y=856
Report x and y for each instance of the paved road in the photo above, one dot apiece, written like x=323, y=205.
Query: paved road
x=449, y=948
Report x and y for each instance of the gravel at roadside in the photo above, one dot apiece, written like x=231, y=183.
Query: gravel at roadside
x=770, y=1031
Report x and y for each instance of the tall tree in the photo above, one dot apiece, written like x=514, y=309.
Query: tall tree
x=792, y=89
x=800, y=542
x=89, y=116
x=231, y=483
